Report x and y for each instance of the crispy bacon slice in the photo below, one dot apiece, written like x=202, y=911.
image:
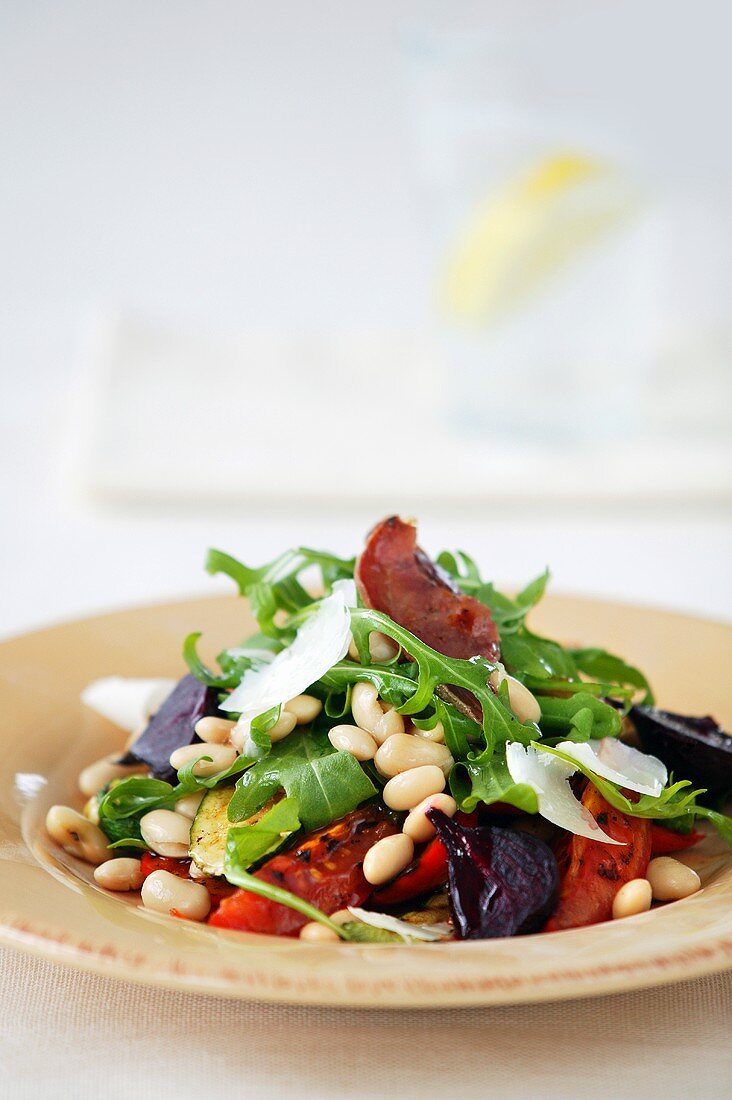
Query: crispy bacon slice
x=394, y=576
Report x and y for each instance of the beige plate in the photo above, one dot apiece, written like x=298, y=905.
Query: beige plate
x=50, y=905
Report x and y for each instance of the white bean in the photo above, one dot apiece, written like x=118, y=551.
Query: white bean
x=213, y=730
x=378, y=719
x=437, y=733
x=382, y=648
x=76, y=834
x=387, y=858
x=520, y=700
x=101, y=772
x=418, y=825
x=671, y=880
x=408, y=789
x=314, y=932
x=404, y=751
x=91, y=809
x=188, y=805
x=166, y=893
x=633, y=897
x=306, y=708
x=283, y=727
x=342, y=916
x=354, y=740
x=222, y=757
x=166, y=832
x=119, y=874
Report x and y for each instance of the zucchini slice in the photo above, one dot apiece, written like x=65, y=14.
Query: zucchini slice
x=209, y=829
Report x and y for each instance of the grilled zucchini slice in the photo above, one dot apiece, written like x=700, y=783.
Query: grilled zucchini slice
x=209, y=829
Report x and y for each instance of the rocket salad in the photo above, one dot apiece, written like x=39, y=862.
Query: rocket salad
x=396, y=756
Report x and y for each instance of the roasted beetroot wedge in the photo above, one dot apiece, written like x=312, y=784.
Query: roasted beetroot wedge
x=172, y=727
x=500, y=883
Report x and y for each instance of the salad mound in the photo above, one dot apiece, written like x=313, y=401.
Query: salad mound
x=396, y=756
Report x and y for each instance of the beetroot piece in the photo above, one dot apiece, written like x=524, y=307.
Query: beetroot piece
x=501, y=883
x=172, y=727
x=692, y=748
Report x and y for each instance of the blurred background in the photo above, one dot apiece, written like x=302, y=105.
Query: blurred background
x=270, y=271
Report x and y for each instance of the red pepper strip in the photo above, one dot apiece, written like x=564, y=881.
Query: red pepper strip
x=665, y=840
x=427, y=872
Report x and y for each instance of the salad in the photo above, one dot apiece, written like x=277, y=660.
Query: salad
x=396, y=756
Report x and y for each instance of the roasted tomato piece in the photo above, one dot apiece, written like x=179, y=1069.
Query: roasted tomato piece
x=394, y=576
x=324, y=869
x=593, y=871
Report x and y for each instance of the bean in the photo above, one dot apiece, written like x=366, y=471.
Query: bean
x=76, y=834
x=408, y=789
x=437, y=733
x=306, y=708
x=119, y=874
x=342, y=916
x=222, y=757
x=387, y=858
x=418, y=825
x=91, y=809
x=101, y=772
x=284, y=726
x=214, y=731
x=632, y=898
x=371, y=715
x=520, y=700
x=671, y=880
x=354, y=740
x=188, y=805
x=403, y=751
x=314, y=932
x=166, y=832
x=166, y=893
x=381, y=648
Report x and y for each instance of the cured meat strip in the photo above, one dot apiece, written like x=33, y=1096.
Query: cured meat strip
x=394, y=576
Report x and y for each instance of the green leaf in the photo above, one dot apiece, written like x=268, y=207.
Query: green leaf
x=601, y=665
x=489, y=781
x=327, y=784
x=248, y=844
x=525, y=654
x=203, y=673
x=578, y=717
x=357, y=932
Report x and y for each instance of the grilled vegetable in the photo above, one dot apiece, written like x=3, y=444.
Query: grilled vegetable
x=595, y=871
x=693, y=748
x=325, y=870
x=209, y=830
x=172, y=727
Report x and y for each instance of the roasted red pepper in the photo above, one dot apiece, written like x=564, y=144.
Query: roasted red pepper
x=665, y=840
x=324, y=869
x=594, y=871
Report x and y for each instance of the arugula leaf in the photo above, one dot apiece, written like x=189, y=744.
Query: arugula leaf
x=526, y=654
x=247, y=844
x=508, y=614
x=601, y=665
x=676, y=801
x=578, y=717
x=327, y=784
x=489, y=780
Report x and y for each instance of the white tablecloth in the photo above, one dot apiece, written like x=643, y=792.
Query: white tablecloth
x=70, y=1034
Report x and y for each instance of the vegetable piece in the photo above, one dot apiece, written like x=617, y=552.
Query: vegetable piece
x=323, y=870
x=172, y=727
x=548, y=776
x=695, y=748
x=327, y=784
x=595, y=872
x=620, y=763
x=321, y=642
x=127, y=702
x=395, y=576
x=664, y=841
x=387, y=923
x=501, y=883
x=209, y=831
x=263, y=834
